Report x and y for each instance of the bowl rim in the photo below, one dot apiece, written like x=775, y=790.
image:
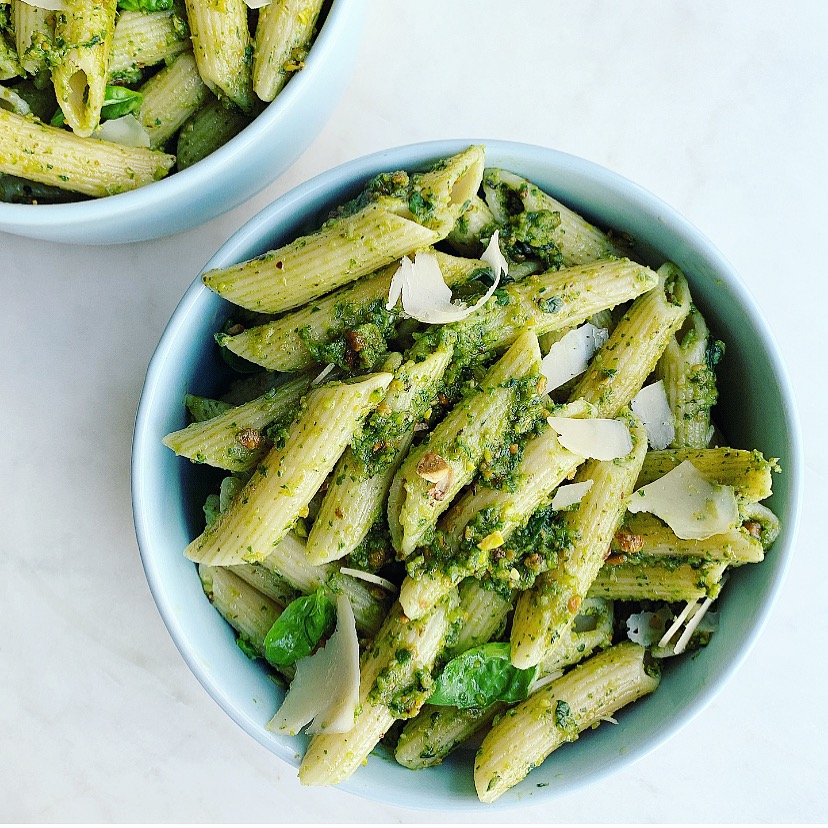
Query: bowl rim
x=410, y=156
x=196, y=178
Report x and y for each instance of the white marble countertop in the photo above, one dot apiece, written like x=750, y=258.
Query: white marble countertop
x=717, y=107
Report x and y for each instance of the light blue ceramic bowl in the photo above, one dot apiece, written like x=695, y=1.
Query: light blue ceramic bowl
x=227, y=177
x=756, y=410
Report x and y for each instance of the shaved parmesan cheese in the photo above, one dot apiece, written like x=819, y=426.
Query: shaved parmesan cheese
x=369, y=577
x=570, y=355
x=677, y=622
x=681, y=644
x=651, y=405
x=494, y=258
x=51, y=5
x=126, y=131
x=9, y=99
x=326, y=686
x=323, y=373
x=594, y=437
x=257, y=4
x=570, y=493
x=688, y=503
x=425, y=295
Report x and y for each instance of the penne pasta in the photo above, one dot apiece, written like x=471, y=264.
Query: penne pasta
x=221, y=44
x=410, y=459
x=80, y=77
x=53, y=156
x=288, y=477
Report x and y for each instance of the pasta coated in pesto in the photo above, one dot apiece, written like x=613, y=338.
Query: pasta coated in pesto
x=472, y=517
x=189, y=66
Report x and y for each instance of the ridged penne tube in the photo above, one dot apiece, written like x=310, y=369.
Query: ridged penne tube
x=689, y=382
x=9, y=64
x=579, y=241
x=49, y=155
x=419, y=594
x=482, y=615
x=343, y=250
x=234, y=440
x=762, y=522
x=211, y=127
x=548, y=607
x=646, y=535
x=351, y=245
x=389, y=689
x=465, y=235
x=282, y=345
x=451, y=184
x=283, y=35
x=357, y=492
x=590, y=630
x=221, y=45
x=171, y=96
x=248, y=611
x=288, y=477
x=436, y=731
x=558, y=713
x=474, y=425
x=617, y=372
x=265, y=582
x=80, y=77
x=145, y=39
x=544, y=465
x=747, y=471
x=548, y=302
x=289, y=567
x=652, y=580
x=351, y=510
x=286, y=574
x=34, y=32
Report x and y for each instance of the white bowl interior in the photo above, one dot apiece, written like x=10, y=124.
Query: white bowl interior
x=755, y=411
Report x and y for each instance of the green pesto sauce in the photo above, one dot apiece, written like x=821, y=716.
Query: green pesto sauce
x=527, y=552
x=398, y=185
x=374, y=551
x=527, y=417
x=391, y=184
x=529, y=235
x=358, y=338
x=400, y=688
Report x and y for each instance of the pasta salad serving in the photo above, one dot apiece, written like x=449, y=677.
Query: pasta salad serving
x=98, y=98
x=468, y=490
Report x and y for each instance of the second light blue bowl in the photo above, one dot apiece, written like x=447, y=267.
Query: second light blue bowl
x=224, y=179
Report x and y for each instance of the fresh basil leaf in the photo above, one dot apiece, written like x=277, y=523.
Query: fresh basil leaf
x=120, y=101
x=299, y=628
x=481, y=676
